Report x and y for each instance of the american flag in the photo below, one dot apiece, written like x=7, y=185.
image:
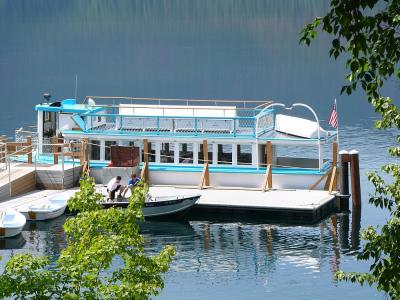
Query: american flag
x=333, y=119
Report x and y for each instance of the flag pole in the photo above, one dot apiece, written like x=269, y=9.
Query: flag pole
x=337, y=128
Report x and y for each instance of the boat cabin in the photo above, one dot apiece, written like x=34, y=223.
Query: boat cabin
x=176, y=135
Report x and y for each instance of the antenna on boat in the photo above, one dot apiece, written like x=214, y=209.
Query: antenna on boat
x=76, y=85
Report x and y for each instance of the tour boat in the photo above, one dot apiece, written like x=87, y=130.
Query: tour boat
x=11, y=222
x=180, y=136
x=198, y=146
x=49, y=209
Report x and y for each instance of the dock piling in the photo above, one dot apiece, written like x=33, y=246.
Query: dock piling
x=355, y=178
x=344, y=172
x=343, y=197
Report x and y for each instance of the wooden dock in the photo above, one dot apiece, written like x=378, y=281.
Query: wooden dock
x=23, y=178
x=34, y=197
x=307, y=206
x=20, y=180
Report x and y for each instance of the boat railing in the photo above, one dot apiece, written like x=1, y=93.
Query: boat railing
x=239, y=104
x=191, y=125
x=22, y=135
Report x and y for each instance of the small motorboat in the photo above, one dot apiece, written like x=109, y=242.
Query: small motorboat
x=160, y=206
x=52, y=208
x=11, y=222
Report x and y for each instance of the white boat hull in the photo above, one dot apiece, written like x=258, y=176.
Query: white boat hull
x=169, y=209
x=50, y=209
x=11, y=223
x=162, y=206
x=37, y=215
x=10, y=232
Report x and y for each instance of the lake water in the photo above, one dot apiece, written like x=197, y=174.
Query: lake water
x=199, y=49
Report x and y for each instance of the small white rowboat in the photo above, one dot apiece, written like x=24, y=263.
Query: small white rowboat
x=11, y=223
x=160, y=206
x=52, y=208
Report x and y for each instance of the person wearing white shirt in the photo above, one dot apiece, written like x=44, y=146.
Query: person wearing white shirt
x=113, y=186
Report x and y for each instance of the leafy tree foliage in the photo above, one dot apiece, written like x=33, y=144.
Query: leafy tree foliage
x=104, y=258
x=87, y=198
x=367, y=33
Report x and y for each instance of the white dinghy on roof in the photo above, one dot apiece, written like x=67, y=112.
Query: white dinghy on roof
x=298, y=127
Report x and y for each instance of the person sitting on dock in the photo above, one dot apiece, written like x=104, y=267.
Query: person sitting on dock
x=113, y=186
x=134, y=181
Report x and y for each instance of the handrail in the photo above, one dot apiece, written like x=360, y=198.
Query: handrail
x=176, y=99
x=290, y=108
x=91, y=114
x=25, y=131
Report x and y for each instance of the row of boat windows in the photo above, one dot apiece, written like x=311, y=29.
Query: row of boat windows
x=186, y=155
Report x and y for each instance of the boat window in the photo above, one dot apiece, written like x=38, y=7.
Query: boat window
x=47, y=116
x=186, y=153
x=152, y=152
x=50, y=124
x=262, y=151
x=201, y=155
x=108, y=149
x=167, y=153
x=224, y=154
x=244, y=154
x=94, y=149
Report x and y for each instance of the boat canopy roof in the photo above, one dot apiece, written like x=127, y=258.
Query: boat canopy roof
x=177, y=110
x=67, y=106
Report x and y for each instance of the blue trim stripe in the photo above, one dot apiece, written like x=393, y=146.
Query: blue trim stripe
x=144, y=134
x=236, y=170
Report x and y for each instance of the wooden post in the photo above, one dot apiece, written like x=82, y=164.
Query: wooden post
x=269, y=164
x=55, y=149
x=344, y=172
x=86, y=150
x=30, y=149
x=268, y=179
x=333, y=180
x=315, y=184
x=334, y=164
x=205, y=177
x=205, y=151
x=269, y=153
x=145, y=151
x=145, y=172
x=80, y=146
x=355, y=179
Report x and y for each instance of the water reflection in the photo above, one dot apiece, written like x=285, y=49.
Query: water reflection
x=355, y=229
x=225, y=250
x=243, y=246
x=16, y=242
x=268, y=240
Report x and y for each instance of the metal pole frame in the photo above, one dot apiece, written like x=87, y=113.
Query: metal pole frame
x=320, y=162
